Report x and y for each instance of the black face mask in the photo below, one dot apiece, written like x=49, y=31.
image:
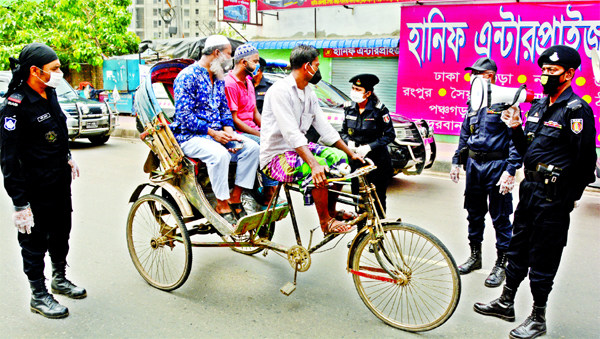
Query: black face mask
x=316, y=78
x=551, y=83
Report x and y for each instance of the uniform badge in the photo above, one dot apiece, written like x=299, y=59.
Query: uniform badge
x=10, y=123
x=554, y=57
x=350, y=131
x=386, y=118
x=553, y=124
x=576, y=125
x=51, y=136
x=358, y=82
x=43, y=117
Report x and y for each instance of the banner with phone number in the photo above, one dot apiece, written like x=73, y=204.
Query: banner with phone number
x=438, y=42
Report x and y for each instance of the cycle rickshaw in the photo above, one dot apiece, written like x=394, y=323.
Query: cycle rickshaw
x=402, y=273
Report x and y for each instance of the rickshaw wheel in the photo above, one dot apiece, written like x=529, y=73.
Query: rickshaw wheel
x=264, y=232
x=159, y=243
x=427, y=288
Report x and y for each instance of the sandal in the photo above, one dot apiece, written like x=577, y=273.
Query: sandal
x=238, y=206
x=337, y=227
x=229, y=217
x=342, y=215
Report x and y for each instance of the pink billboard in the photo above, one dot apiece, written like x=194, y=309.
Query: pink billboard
x=438, y=42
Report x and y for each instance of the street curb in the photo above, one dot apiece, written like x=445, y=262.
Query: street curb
x=125, y=133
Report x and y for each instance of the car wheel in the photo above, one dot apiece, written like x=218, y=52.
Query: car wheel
x=99, y=140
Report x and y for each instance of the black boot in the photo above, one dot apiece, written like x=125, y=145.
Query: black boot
x=43, y=302
x=502, y=307
x=533, y=327
x=498, y=274
x=474, y=261
x=61, y=285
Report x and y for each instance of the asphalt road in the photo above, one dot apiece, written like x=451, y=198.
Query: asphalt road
x=229, y=295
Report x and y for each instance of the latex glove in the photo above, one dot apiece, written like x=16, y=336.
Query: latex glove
x=363, y=150
x=454, y=173
x=576, y=204
x=23, y=219
x=512, y=117
x=352, y=146
x=506, y=183
x=74, y=168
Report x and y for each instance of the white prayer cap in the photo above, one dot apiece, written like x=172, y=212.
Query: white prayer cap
x=216, y=40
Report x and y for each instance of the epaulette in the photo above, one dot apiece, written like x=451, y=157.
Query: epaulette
x=348, y=104
x=574, y=105
x=15, y=99
x=380, y=105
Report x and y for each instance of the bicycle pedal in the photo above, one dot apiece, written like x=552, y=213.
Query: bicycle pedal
x=288, y=288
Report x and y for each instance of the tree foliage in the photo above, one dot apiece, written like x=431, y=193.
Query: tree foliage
x=80, y=31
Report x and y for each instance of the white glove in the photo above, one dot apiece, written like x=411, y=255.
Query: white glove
x=512, y=117
x=506, y=183
x=454, y=173
x=576, y=204
x=23, y=220
x=363, y=150
x=74, y=169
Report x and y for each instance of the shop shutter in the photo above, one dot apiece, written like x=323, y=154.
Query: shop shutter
x=386, y=70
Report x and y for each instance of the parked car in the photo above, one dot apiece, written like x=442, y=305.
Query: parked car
x=86, y=118
x=414, y=147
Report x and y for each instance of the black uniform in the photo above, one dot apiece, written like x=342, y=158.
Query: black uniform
x=34, y=157
x=561, y=135
x=375, y=128
x=260, y=91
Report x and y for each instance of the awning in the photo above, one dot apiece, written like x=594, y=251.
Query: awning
x=327, y=43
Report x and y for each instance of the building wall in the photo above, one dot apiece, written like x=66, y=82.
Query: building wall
x=199, y=18
x=364, y=21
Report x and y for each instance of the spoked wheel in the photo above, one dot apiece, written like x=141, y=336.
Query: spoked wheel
x=409, y=279
x=264, y=232
x=159, y=243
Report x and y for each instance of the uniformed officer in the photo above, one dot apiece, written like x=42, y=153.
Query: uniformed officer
x=558, y=149
x=368, y=129
x=261, y=84
x=490, y=160
x=38, y=169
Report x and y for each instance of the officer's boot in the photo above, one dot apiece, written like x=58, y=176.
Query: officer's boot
x=498, y=274
x=533, y=327
x=44, y=303
x=61, y=285
x=502, y=307
x=474, y=261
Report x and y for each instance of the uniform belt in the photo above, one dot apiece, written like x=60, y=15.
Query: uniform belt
x=486, y=156
x=48, y=163
x=534, y=176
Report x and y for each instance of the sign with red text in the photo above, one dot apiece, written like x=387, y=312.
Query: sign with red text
x=438, y=42
x=359, y=52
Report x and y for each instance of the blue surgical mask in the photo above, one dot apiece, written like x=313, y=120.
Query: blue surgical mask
x=256, y=70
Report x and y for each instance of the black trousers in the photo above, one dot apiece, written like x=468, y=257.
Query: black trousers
x=51, y=207
x=380, y=177
x=539, y=236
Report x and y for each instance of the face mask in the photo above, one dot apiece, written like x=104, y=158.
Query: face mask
x=357, y=96
x=551, y=82
x=251, y=71
x=226, y=64
x=316, y=76
x=55, y=79
x=255, y=72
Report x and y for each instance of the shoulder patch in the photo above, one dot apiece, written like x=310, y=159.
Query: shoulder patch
x=576, y=125
x=16, y=98
x=380, y=105
x=10, y=124
x=347, y=104
x=386, y=118
x=574, y=105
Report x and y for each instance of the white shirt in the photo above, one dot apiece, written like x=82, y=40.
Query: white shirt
x=288, y=113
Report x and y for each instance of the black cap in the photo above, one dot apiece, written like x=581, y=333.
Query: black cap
x=263, y=63
x=366, y=81
x=483, y=64
x=561, y=55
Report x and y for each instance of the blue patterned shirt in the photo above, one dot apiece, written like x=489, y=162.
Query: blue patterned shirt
x=198, y=104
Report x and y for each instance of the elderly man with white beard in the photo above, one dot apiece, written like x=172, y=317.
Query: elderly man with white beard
x=203, y=126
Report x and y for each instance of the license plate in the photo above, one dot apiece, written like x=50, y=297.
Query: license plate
x=91, y=124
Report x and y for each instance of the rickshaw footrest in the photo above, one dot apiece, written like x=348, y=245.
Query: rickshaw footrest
x=288, y=288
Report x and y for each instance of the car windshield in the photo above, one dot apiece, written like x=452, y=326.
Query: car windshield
x=65, y=92
x=4, y=80
x=328, y=95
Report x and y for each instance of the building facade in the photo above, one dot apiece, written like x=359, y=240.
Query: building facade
x=199, y=18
